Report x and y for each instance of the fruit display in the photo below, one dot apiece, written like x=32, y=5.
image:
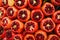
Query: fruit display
x=29, y=19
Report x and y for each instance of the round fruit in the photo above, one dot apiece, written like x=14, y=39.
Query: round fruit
x=57, y=29
x=56, y=17
x=17, y=26
x=2, y=12
x=20, y=3
x=56, y=2
x=6, y=22
x=29, y=37
x=31, y=26
x=37, y=15
x=18, y=37
x=5, y=3
x=48, y=9
x=40, y=35
x=11, y=12
x=47, y=25
x=35, y=3
x=53, y=37
x=23, y=15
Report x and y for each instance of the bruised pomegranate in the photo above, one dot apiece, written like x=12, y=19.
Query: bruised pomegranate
x=37, y=15
x=29, y=37
x=40, y=35
x=57, y=29
x=48, y=9
x=47, y=25
x=31, y=26
x=20, y=3
x=2, y=12
x=23, y=15
x=35, y=3
x=53, y=37
x=56, y=2
x=11, y=12
x=56, y=17
x=6, y=22
x=17, y=26
x=18, y=37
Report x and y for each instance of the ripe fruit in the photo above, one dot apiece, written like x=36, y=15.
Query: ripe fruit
x=40, y=35
x=53, y=37
x=6, y=23
x=23, y=15
x=18, y=37
x=5, y=3
x=34, y=4
x=56, y=16
x=20, y=3
x=2, y=12
x=57, y=29
x=29, y=37
x=31, y=26
x=17, y=26
x=11, y=12
x=56, y=2
x=48, y=9
x=37, y=15
x=47, y=25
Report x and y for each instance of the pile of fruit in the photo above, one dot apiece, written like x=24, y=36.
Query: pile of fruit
x=29, y=19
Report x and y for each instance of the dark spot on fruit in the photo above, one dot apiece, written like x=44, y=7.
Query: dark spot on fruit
x=48, y=25
x=20, y=2
x=54, y=38
x=1, y=30
x=49, y=9
x=57, y=1
x=30, y=26
x=15, y=25
x=30, y=38
x=22, y=15
x=17, y=38
x=4, y=2
x=59, y=29
x=37, y=16
x=8, y=33
x=39, y=37
x=34, y=2
x=10, y=11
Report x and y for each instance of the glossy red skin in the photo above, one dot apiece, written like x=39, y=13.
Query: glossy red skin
x=7, y=26
x=54, y=17
x=21, y=26
x=36, y=7
x=43, y=9
x=41, y=32
x=28, y=15
x=19, y=7
x=5, y=6
x=19, y=35
x=4, y=12
x=35, y=28
x=51, y=35
x=56, y=29
x=43, y=28
x=29, y=35
x=15, y=12
x=37, y=10
x=55, y=3
x=0, y=3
